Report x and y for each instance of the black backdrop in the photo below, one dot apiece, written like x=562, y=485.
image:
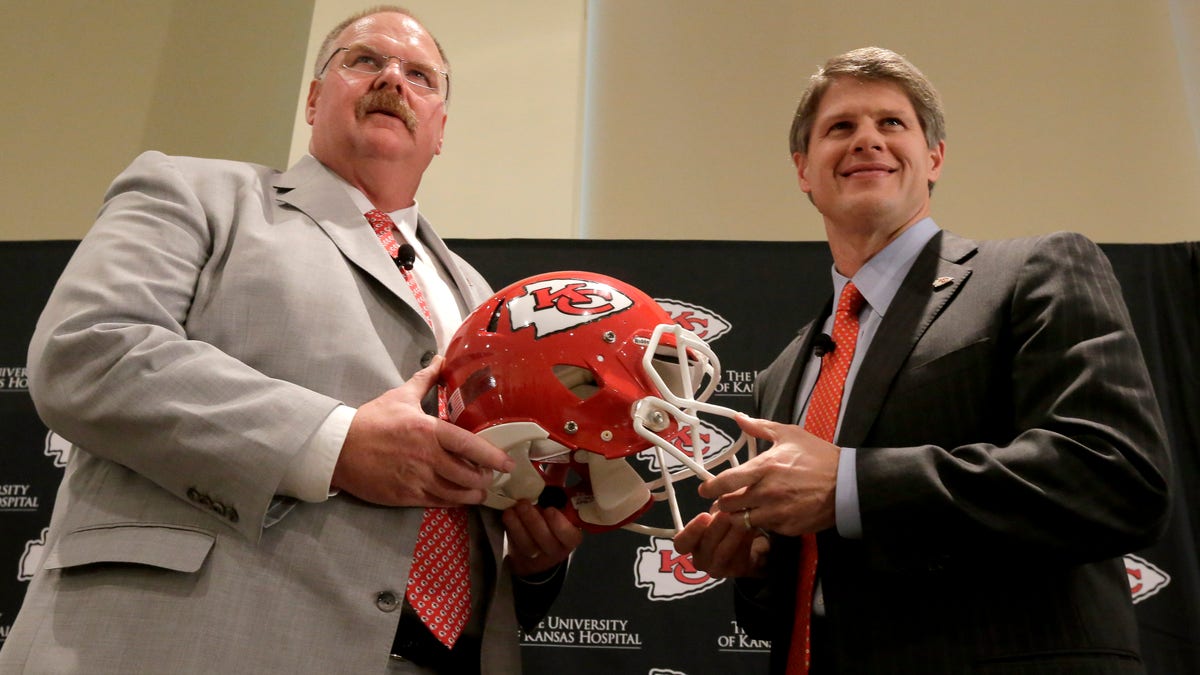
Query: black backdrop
x=631, y=604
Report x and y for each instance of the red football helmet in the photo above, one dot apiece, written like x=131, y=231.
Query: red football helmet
x=572, y=373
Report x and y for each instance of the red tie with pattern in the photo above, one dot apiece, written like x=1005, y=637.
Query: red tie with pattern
x=439, y=583
x=821, y=421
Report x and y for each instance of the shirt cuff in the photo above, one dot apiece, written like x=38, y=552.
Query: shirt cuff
x=846, y=511
x=308, y=478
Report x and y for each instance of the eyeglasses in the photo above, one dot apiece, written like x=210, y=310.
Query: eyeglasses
x=367, y=61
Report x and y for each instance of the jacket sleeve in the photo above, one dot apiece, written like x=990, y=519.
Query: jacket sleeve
x=1065, y=454
x=115, y=369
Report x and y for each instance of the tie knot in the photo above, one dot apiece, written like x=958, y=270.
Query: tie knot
x=379, y=221
x=382, y=223
x=851, y=301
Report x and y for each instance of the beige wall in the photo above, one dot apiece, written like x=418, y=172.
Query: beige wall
x=1062, y=115
x=89, y=84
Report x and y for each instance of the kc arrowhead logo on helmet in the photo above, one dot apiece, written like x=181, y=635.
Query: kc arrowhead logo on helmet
x=556, y=305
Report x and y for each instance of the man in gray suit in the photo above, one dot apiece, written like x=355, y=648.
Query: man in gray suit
x=998, y=445
x=247, y=377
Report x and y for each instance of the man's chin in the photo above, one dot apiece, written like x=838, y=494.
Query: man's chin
x=861, y=209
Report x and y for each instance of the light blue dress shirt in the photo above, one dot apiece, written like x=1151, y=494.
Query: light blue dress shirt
x=878, y=280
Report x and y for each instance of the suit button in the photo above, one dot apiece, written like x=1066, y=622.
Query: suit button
x=426, y=359
x=387, y=601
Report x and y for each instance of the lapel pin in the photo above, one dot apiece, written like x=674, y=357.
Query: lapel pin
x=942, y=282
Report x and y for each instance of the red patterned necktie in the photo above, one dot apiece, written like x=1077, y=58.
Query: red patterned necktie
x=383, y=225
x=439, y=583
x=821, y=421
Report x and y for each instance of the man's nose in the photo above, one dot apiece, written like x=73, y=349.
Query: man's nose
x=392, y=75
x=867, y=137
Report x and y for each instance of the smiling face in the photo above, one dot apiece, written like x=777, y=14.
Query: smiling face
x=868, y=166
x=357, y=118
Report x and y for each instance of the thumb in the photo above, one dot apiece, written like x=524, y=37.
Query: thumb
x=758, y=428
x=424, y=379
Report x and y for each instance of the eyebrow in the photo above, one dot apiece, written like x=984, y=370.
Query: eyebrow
x=421, y=59
x=363, y=45
x=838, y=115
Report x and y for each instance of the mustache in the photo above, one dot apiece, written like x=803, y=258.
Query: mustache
x=388, y=101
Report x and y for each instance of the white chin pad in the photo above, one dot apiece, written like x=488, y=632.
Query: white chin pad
x=523, y=482
x=617, y=489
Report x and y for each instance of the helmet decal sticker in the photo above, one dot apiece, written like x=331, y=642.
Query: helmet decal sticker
x=479, y=382
x=555, y=305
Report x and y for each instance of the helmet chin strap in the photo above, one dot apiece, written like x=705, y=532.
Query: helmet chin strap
x=618, y=490
x=523, y=482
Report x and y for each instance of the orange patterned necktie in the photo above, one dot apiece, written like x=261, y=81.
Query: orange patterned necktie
x=439, y=583
x=821, y=421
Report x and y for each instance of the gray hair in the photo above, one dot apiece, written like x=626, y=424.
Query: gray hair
x=327, y=45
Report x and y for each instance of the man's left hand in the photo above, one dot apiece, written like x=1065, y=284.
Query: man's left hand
x=538, y=539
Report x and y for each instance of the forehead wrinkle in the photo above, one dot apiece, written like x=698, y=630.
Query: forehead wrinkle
x=371, y=32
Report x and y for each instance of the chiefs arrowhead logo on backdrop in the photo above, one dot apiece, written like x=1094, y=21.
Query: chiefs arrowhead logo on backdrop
x=668, y=575
x=31, y=559
x=57, y=448
x=713, y=439
x=705, y=323
x=555, y=305
x=1144, y=578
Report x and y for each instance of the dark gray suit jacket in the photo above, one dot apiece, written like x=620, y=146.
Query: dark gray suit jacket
x=1010, y=450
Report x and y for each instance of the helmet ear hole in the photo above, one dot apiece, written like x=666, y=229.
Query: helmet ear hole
x=578, y=380
x=494, y=320
x=668, y=368
x=552, y=497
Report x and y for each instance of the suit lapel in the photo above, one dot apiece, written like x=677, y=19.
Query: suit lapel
x=779, y=403
x=310, y=187
x=469, y=293
x=932, y=283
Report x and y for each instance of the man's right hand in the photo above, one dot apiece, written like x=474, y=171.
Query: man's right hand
x=397, y=455
x=723, y=546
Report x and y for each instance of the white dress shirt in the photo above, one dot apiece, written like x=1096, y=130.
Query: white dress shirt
x=309, y=478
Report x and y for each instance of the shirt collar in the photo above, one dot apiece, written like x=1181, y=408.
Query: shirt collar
x=879, y=279
x=405, y=219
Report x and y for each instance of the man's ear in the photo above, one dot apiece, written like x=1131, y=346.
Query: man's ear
x=310, y=107
x=441, y=136
x=801, y=162
x=937, y=156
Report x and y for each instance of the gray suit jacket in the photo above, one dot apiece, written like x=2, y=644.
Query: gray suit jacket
x=208, y=323
x=1010, y=448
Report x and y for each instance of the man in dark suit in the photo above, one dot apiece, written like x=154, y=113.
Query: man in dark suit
x=998, y=444
x=245, y=368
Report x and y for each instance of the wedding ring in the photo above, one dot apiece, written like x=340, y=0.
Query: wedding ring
x=534, y=555
x=746, y=519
